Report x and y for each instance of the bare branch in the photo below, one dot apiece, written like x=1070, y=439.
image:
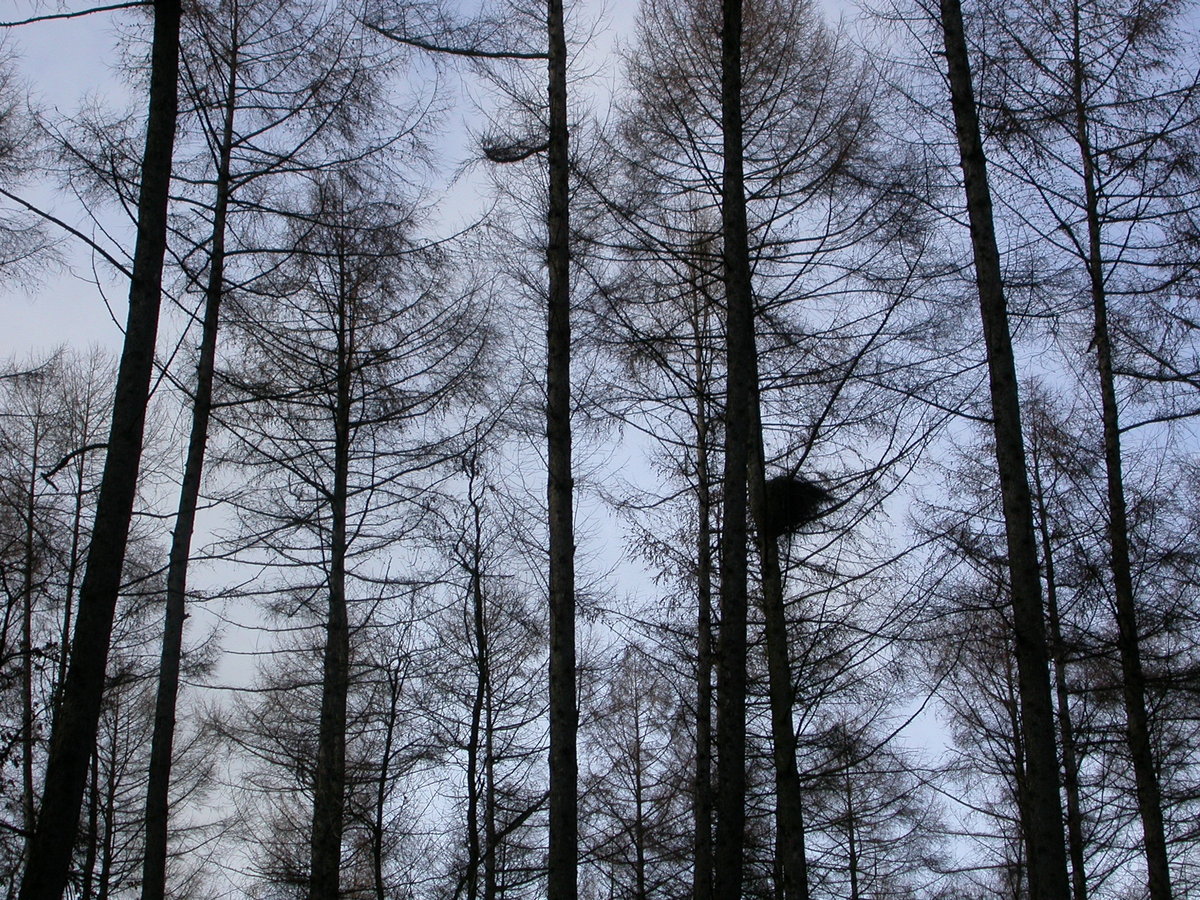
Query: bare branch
x=469, y=52
x=77, y=14
x=113, y=261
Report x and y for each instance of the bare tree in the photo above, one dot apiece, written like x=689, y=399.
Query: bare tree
x=349, y=361
x=1042, y=808
x=75, y=725
x=1108, y=168
x=272, y=87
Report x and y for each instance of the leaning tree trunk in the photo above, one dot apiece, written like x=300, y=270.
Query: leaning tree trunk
x=561, y=877
x=74, y=732
x=1044, y=833
x=730, y=798
x=154, y=865
x=1133, y=681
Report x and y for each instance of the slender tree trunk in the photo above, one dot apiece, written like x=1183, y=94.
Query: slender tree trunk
x=790, y=838
x=739, y=354
x=1044, y=836
x=1066, y=728
x=93, y=830
x=702, y=863
x=639, y=824
x=561, y=873
x=28, y=563
x=329, y=792
x=852, y=862
x=491, y=838
x=74, y=733
x=108, y=845
x=377, y=826
x=64, y=640
x=474, y=853
x=154, y=866
x=1133, y=681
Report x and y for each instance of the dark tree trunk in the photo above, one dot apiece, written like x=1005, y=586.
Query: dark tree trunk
x=64, y=640
x=108, y=845
x=491, y=836
x=639, y=825
x=154, y=867
x=28, y=564
x=702, y=863
x=1133, y=681
x=852, y=863
x=329, y=790
x=1044, y=832
x=74, y=733
x=482, y=664
x=561, y=878
x=788, y=810
x=739, y=348
x=1066, y=728
x=378, y=828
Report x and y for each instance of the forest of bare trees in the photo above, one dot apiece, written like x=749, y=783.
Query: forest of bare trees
x=676, y=451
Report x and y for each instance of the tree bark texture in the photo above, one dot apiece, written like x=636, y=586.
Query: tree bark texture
x=730, y=799
x=74, y=732
x=702, y=861
x=329, y=790
x=1044, y=837
x=561, y=874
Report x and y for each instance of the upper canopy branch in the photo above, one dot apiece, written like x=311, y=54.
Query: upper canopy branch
x=470, y=52
x=132, y=4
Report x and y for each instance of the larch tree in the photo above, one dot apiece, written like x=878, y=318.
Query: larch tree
x=350, y=362
x=271, y=88
x=74, y=732
x=1042, y=814
x=1098, y=107
x=491, y=38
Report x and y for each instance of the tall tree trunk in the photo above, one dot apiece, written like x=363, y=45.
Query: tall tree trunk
x=154, y=865
x=74, y=733
x=1066, y=728
x=378, y=827
x=1133, y=681
x=739, y=354
x=852, y=862
x=639, y=823
x=108, y=845
x=561, y=872
x=790, y=838
x=329, y=790
x=490, y=834
x=1044, y=835
x=482, y=663
x=28, y=564
x=702, y=861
